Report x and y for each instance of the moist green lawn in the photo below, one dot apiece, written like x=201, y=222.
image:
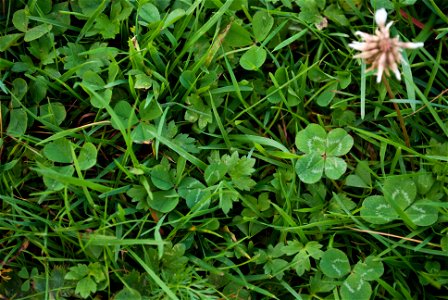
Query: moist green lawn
x=223, y=149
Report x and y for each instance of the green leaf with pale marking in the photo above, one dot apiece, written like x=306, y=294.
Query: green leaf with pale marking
x=335, y=167
x=310, y=167
x=376, y=210
x=354, y=287
x=423, y=212
x=339, y=142
x=370, y=269
x=401, y=190
x=334, y=263
x=312, y=138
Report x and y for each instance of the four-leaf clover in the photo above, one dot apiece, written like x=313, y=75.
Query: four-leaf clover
x=321, y=153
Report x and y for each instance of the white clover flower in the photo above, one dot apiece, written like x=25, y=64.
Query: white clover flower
x=381, y=51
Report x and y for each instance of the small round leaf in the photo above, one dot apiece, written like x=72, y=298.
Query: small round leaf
x=164, y=201
x=334, y=263
x=262, y=23
x=253, y=59
x=59, y=151
x=87, y=156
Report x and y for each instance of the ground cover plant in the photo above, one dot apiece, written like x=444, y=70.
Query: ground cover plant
x=207, y=149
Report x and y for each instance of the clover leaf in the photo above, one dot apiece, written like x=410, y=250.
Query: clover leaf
x=321, y=153
x=400, y=194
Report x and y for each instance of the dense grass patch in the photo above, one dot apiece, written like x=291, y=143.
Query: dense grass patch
x=182, y=149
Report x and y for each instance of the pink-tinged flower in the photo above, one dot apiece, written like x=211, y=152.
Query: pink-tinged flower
x=381, y=51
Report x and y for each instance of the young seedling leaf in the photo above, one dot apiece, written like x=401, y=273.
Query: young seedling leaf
x=87, y=156
x=253, y=59
x=261, y=24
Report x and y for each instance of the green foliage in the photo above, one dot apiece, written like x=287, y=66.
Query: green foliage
x=216, y=150
x=321, y=153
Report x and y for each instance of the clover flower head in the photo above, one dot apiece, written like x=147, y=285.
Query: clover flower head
x=379, y=50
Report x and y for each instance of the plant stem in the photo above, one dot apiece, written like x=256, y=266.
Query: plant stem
x=399, y=116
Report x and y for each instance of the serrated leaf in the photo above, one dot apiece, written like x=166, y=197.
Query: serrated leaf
x=253, y=58
x=77, y=272
x=275, y=267
x=193, y=191
x=87, y=156
x=354, y=287
x=244, y=183
x=311, y=139
x=310, y=167
x=376, y=210
x=262, y=24
x=9, y=40
x=186, y=142
x=85, y=287
x=226, y=199
x=59, y=151
x=339, y=142
x=401, y=190
x=335, y=14
x=214, y=173
x=334, y=263
x=423, y=213
x=36, y=32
